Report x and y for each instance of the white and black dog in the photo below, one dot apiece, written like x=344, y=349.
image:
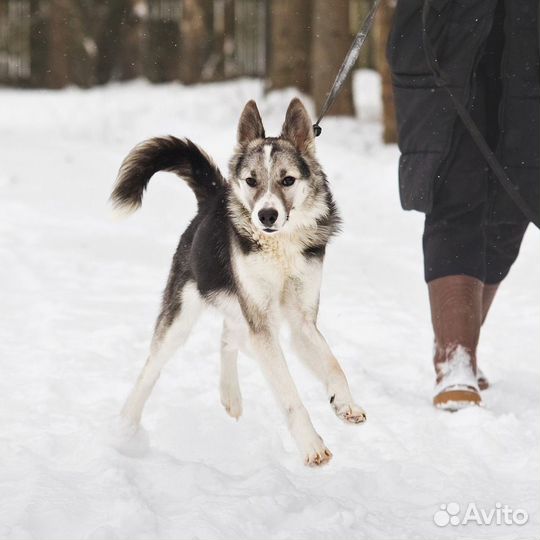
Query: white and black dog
x=255, y=251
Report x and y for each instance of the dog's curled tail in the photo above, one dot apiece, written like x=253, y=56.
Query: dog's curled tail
x=182, y=157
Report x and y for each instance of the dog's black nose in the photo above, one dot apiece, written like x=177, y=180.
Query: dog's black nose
x=268, y=216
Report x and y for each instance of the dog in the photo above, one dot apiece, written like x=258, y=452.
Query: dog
x=255, y=251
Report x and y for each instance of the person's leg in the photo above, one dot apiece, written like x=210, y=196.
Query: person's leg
x=488, y=294
x=455, y=239
x=454, y=244
x=456, y=314
x=502, y=247
x=456, y=302
x=503, y=242
x=490, y=76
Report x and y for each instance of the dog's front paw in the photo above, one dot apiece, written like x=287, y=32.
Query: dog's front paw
x=318, y=456
x=318, y=459
x=231, y=399
x=349, y=412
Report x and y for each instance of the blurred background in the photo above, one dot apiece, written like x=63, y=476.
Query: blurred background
x=286, y=43
x=83, y=81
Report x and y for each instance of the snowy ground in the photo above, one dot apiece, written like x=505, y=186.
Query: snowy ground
x=79, y=295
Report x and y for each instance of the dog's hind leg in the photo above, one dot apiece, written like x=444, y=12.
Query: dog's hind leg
x=172, y=329
x=229, y=387
x=301, y=309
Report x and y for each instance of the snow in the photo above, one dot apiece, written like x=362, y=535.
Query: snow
x=458, y=371
x=79, y=296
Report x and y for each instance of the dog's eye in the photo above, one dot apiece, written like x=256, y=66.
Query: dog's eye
x=288, y=181
x=251, y=182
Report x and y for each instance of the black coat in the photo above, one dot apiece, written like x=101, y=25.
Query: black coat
x=458, y=30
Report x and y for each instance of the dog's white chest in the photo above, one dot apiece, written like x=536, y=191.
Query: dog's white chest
x=264, y=274
x=282, y=254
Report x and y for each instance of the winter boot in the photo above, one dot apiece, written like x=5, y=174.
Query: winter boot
x=456, y=314
x=488, y=294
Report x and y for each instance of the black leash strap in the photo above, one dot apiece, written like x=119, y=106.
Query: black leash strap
x=472, y=128
x=347, y=65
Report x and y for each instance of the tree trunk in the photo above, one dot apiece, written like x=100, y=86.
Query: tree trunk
x=214, y=67
x=383, y=24
x=39, y=45
x=331, y=41
x=290, y=40
x=58, y=61
x=163, y=45
x=71, y=50
x=194, y=37
x=15, y=42
x=230, y=67
x=133, y=23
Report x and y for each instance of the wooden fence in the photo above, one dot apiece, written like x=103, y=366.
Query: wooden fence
x=15, y=42
x=53, y=43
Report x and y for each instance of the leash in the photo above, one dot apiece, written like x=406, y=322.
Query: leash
x=472, y=128
x=347, y=65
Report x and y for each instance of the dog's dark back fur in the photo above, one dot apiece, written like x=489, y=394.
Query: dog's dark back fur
x=203, y=255
x=203, y=251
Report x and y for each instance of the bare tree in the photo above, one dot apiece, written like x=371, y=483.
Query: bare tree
x=62, y=49
x=331, y=40
x=133, y=26
x=39, y=45
x=289, y=44
x=230, y=67
x=194, y=31
x=163, y=43
x=58, y=61
x=15, y=41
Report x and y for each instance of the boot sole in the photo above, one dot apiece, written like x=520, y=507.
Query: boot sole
x=454, y=400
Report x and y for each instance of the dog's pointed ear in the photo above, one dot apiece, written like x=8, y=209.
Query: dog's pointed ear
x=298, y=128
x=250, y=126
